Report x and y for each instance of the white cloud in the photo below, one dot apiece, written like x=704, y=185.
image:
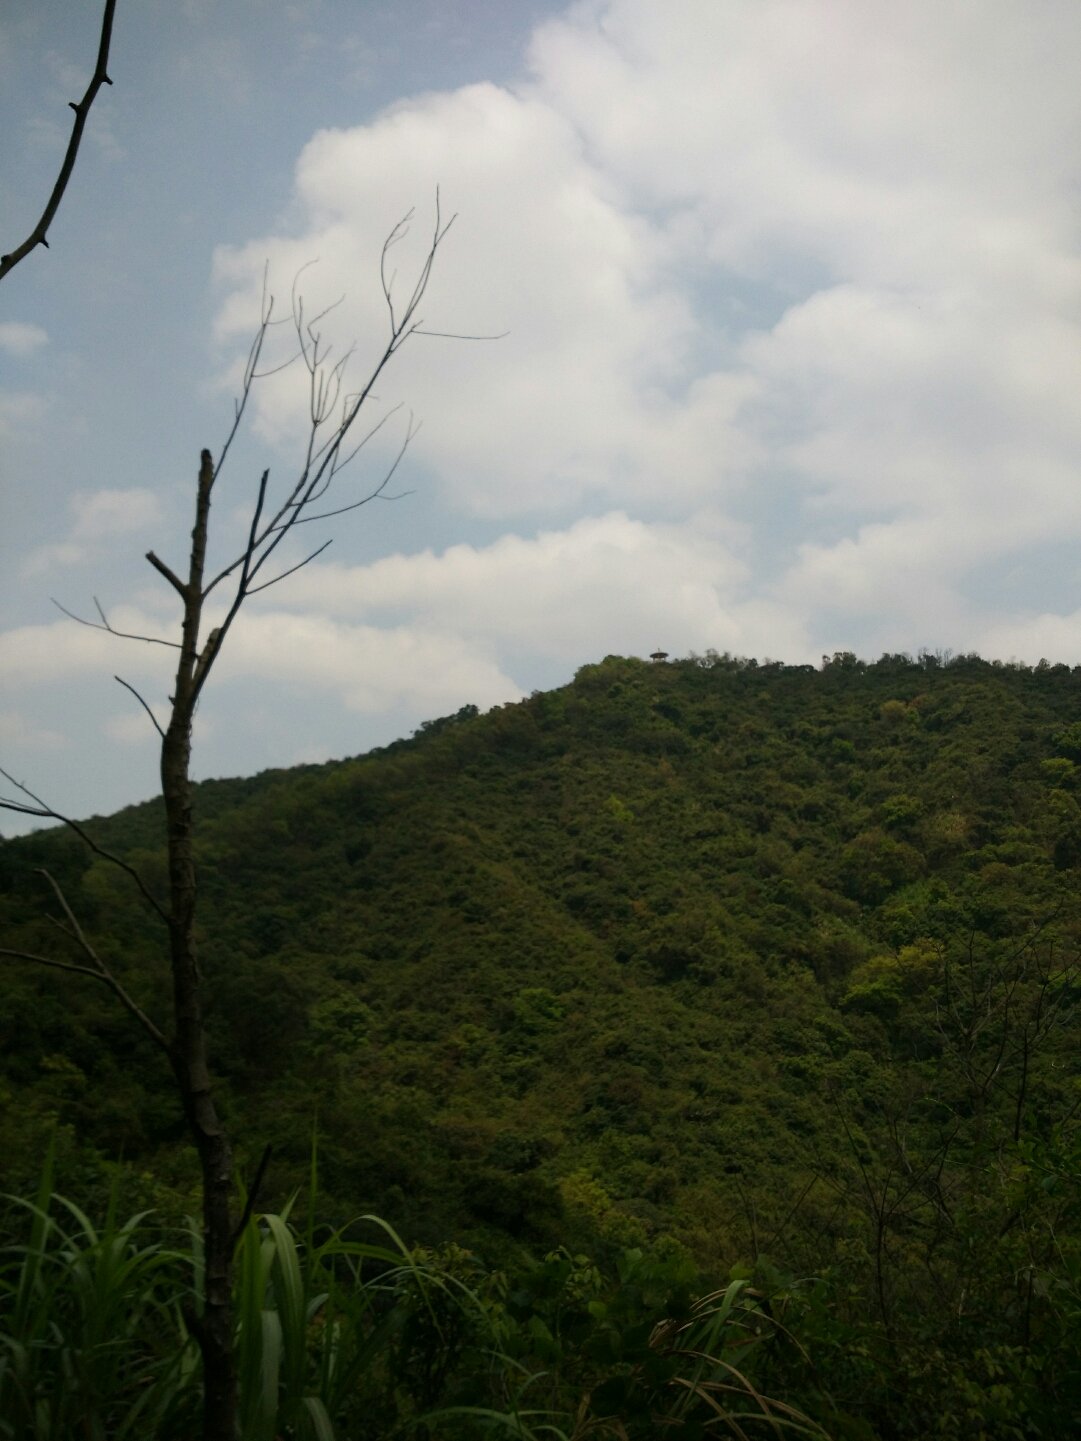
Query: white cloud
x=422, y=634
x=66, y=651
x=19, y=731
x=51, y=557
x=793, y=294
x=20, y=410
x=1041, y=637
x=370, y=670
x=586, y=394
x=879, y=143
x=20, y=337
x=106, y=513
x=885, y=401
x=900, y=185
x=134, y=728
x=814, y=261
x=97, y=517
x=607, y=583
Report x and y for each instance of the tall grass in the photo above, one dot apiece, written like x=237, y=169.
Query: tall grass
x=343, y=1339
x=91, y=1338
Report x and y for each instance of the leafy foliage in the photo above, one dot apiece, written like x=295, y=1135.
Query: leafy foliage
x=738, y=964
x=339, y=1337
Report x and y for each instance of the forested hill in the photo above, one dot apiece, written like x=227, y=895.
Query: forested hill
x=767, y=960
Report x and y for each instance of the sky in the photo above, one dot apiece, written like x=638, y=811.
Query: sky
x=789, y=303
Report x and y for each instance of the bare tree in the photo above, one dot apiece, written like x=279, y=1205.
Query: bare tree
x=81, y=107
x=333, y=439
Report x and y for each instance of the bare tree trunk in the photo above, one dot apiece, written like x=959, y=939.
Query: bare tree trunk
x=214, y=1329
x=270, y=526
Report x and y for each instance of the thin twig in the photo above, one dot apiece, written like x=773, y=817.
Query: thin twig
x=244, y=559
x=250, y=368
x=82, y=110
x=111, y=630
x=454, y=335
x=255, y=589
x=47, y=813
x=138, y=697
x=340, y=461
x=376, y=494
x=49, y=961
x=322, y=461
x=97, y=968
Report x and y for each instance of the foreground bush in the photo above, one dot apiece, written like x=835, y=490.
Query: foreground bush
x=361, y=1339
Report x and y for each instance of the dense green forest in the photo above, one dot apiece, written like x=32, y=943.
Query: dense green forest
x=700, y=970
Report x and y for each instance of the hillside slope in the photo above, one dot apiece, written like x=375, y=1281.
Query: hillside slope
x=605, y=950
x=766, y=965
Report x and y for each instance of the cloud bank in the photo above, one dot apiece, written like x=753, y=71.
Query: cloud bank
x=790, y=306
x=807, y=271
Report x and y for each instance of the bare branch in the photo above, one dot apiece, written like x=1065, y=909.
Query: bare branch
x=97, y=968
x=376, y=494
x=76, y=930
x=38, y=809
x=273, y=370
x=399, y=231
x=255, y=589
x=244, y=558
x=217, y=637
x=138, y=697
x=340, y=461
x=454, y=335
x=438, y=232
x=49, y=961
x=64, y=930
x=332, y=415
x=174, y=580
x=324, y=457
x=251, y=367
x=105, y=626
x=356, y=504
x=47, y=813
x=82, y=110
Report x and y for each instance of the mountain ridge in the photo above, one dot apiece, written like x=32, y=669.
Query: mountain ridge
x=459, y=912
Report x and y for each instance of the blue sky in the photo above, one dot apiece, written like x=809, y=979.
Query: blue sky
x=792, y=294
